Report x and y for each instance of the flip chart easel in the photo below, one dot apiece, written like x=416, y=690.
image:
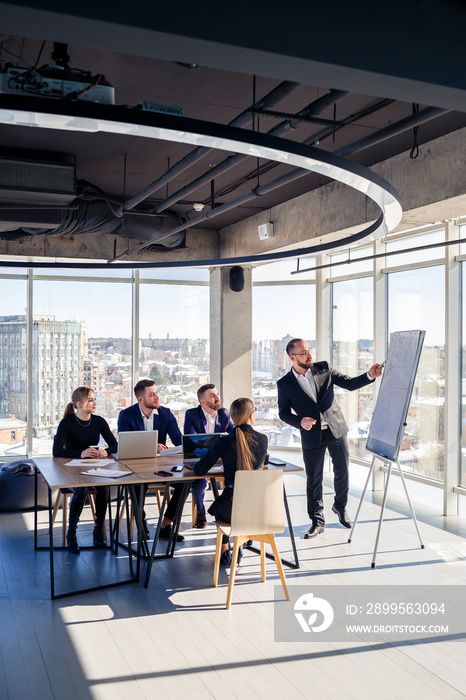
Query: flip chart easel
x=388, y=421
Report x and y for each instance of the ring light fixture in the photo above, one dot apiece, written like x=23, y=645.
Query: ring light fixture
x=93, y=118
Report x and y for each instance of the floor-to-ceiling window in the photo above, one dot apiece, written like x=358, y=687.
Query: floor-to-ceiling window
x=353, y=353
x=81, y=337
x=13, y=351
x=80, y=328
x=174, y=335
x=416, y=300
x=283, y=308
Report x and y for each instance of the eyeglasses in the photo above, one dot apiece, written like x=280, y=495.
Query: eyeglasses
x=308, y=352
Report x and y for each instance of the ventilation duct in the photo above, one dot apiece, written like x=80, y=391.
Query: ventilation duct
x=84, y=217
x=36, y=182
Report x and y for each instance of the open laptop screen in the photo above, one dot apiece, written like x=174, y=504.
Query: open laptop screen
x=196, y=446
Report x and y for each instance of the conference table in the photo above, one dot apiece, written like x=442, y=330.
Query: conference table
x=59, y=475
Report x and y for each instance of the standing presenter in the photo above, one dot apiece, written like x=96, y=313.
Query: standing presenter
x=306, y=401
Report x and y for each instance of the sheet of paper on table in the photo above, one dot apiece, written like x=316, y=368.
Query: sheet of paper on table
x=106, y=473
x=85, y=462
x=173, y=450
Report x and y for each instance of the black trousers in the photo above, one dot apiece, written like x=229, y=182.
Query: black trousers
x=220, y=509
x=171, y=507
x=314, y=464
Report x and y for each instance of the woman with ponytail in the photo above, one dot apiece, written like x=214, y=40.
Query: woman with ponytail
x=77, y=437
x=243, y=448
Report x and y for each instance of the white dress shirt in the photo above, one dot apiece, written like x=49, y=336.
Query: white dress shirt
x=210, y=426
x=149, y=422
x=308, y=385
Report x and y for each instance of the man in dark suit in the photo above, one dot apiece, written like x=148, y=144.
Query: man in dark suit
x=208, y=417
x=306, y=401
x=148, y=414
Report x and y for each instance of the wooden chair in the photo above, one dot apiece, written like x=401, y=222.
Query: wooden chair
x=257, y=514
x=66, y=494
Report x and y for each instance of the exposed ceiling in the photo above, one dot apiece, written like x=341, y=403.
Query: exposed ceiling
x=117, y=167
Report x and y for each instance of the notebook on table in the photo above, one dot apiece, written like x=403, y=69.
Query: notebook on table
x=137, y=444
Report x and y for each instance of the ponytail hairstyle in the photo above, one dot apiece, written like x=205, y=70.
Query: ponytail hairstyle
x=240, y=411
x=79, y=394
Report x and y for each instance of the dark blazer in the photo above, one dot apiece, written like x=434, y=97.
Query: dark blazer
x=131, y=419
x=225, y=447
x=292, y=397
x=195, y=421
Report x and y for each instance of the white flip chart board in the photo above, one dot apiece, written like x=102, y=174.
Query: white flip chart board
x=389, y=418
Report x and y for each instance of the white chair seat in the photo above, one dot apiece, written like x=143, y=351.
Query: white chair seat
x=257, y=508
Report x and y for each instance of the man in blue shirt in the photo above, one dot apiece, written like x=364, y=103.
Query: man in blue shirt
x=148, y=414
x=208, y=417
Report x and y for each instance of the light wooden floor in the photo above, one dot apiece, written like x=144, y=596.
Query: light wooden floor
x=175, y=640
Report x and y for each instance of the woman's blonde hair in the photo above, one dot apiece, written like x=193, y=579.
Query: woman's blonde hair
x=79, y=394
x=240, y=411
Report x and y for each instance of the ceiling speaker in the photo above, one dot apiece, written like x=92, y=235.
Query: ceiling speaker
x=236, y=279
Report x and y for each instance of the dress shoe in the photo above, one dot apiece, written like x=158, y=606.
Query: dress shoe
x=165, y=533
x=225, y=559
x=99, y=539
x=200, y=519
x=72, y=542
x=342, y=516
x=314, y=530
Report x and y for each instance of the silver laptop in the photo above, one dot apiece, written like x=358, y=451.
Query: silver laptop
x=137, y=444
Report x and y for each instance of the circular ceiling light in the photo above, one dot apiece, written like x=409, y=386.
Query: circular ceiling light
x=91, y=117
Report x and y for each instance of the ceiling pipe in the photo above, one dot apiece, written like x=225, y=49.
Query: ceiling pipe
x=381, y=135
x=272, y=98
x=387, y=132
x=316, y=107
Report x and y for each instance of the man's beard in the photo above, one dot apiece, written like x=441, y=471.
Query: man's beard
x=303, y=365
x=213, y=406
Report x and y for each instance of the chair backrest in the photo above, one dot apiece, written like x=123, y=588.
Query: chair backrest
x=258, y=503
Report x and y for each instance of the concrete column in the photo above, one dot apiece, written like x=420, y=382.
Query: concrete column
x=452, y=373
x=230, y=335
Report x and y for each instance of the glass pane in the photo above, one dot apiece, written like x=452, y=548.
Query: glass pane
x=194, y=274
x=109, y=271
x=274, y=272
x=352, y=268
x=13, y=271
x=174, y=343
x=416, y=300
x=416, y=242
x=275, y=312
x=462, y=235
x=81, y=336
x=13, y=368
x=353, y=355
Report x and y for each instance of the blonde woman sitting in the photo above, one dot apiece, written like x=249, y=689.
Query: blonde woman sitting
x=243, y=448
